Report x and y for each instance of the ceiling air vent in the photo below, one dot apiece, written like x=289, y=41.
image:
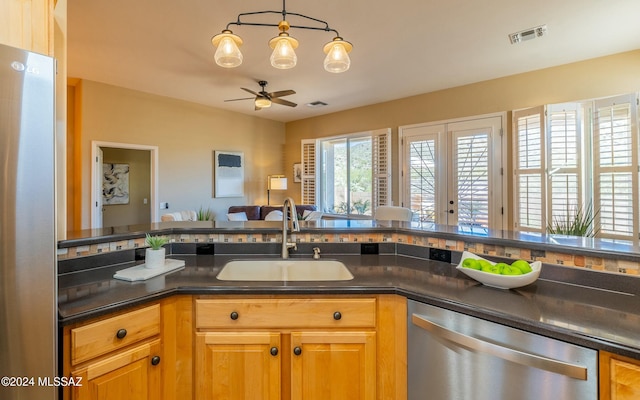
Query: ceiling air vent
x=528, y=34
x=317, y=103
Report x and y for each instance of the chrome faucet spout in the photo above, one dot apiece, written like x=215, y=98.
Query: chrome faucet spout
x=289, y=217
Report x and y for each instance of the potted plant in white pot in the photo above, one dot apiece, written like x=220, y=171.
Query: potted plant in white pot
x=155, y=253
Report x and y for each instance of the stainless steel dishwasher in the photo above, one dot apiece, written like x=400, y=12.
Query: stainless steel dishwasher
x=452, y=356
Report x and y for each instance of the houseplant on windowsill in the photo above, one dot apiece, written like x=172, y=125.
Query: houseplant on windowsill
x=155, y=253
x=581, y=221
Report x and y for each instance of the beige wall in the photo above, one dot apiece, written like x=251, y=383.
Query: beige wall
x=186, y=135
x=594, y=78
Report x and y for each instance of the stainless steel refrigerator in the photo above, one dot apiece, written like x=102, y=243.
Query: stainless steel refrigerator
x=28, y=271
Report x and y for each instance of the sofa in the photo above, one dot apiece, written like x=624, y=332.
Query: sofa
x=186, y=215
x=255, y=213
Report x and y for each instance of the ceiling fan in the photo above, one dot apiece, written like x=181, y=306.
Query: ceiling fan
x=263, y=99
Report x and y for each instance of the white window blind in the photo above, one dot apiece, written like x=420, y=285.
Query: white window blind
x=616, y=166
x=381, y=153
x=564, y=161
x=308, y=151
x=530, y=164
x=587, y=160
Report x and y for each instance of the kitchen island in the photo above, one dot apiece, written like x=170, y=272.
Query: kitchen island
x=589, y=308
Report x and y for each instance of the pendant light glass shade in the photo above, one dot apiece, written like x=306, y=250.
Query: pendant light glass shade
x=337, y=59
x=283, y=56
x=228, y=53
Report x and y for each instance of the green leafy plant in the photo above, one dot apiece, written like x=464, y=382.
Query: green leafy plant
x=156, y=242
x=577, y=222
x=204, y=214
x=361, y=206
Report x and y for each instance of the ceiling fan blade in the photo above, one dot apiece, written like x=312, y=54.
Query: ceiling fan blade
x=283, y=102
x=250, y=91
x=244, y=98
x=281, y=93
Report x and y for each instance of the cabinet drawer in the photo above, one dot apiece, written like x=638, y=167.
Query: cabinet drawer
x=101, y=337
x=285, y=313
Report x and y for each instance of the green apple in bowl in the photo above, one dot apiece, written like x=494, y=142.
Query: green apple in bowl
x=471, y=263
x=522, y=265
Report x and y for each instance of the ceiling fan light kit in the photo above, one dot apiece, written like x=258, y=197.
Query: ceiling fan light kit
x=264, y=99
x=228, y=44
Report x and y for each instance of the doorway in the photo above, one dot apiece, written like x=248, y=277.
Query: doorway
x=452, y=172
x=130, y=198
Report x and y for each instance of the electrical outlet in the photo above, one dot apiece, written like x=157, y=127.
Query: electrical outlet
x=440, y=255
x=369, y=248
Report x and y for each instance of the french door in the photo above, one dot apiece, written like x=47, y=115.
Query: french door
x=452, y=172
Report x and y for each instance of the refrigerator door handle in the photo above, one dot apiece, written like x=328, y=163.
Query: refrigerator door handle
x=474, y=344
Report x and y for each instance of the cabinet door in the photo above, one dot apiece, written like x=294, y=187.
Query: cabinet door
x=333, y=365
x=131, y=374
x=237, y=365
x=619, y=377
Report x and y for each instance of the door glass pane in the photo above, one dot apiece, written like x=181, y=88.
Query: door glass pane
x=472, y=167
x=360, y=175
x=422, y=179
x=334, y=176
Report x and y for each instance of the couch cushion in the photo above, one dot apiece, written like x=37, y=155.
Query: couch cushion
x=239, y=216
x=253, y=212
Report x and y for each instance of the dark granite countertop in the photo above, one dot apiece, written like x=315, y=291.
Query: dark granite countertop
x=596, y=318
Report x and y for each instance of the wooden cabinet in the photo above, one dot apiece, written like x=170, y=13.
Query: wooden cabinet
x=294, y=348
x=333, y=365
x=238, y=365
x=28, y=24
x=115, y=357
x=619, y=377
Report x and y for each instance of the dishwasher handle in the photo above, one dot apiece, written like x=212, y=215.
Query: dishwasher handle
x=526, y=359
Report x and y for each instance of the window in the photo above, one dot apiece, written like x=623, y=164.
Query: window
x=352, y=174
x=578, y=156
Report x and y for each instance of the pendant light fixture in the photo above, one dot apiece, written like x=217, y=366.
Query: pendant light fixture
x=228, y=44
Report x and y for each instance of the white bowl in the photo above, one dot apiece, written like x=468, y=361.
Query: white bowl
x=500, y=281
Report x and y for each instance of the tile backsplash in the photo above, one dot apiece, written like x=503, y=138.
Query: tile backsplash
x=611, y=265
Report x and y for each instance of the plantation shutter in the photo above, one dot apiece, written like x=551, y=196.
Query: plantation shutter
x=529, y=167
x=615, y=139
x=381, y=163
x=308, y=194
x=564, y=149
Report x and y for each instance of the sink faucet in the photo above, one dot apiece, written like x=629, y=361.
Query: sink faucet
x=289, y=208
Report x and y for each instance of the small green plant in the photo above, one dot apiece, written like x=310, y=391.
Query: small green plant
x=580, y=222
x=204, y=214
x=156, y=242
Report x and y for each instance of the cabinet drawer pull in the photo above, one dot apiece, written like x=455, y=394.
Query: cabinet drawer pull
x=155, y=360
x=337, y=315
x=274, y=351
x=297, y=351
x=121, y=333
x=234, y=315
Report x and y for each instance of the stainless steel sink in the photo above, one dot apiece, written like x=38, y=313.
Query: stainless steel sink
x=285, y=270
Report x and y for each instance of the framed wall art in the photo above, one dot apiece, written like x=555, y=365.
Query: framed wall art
x=228, y=178
x=297, y=172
